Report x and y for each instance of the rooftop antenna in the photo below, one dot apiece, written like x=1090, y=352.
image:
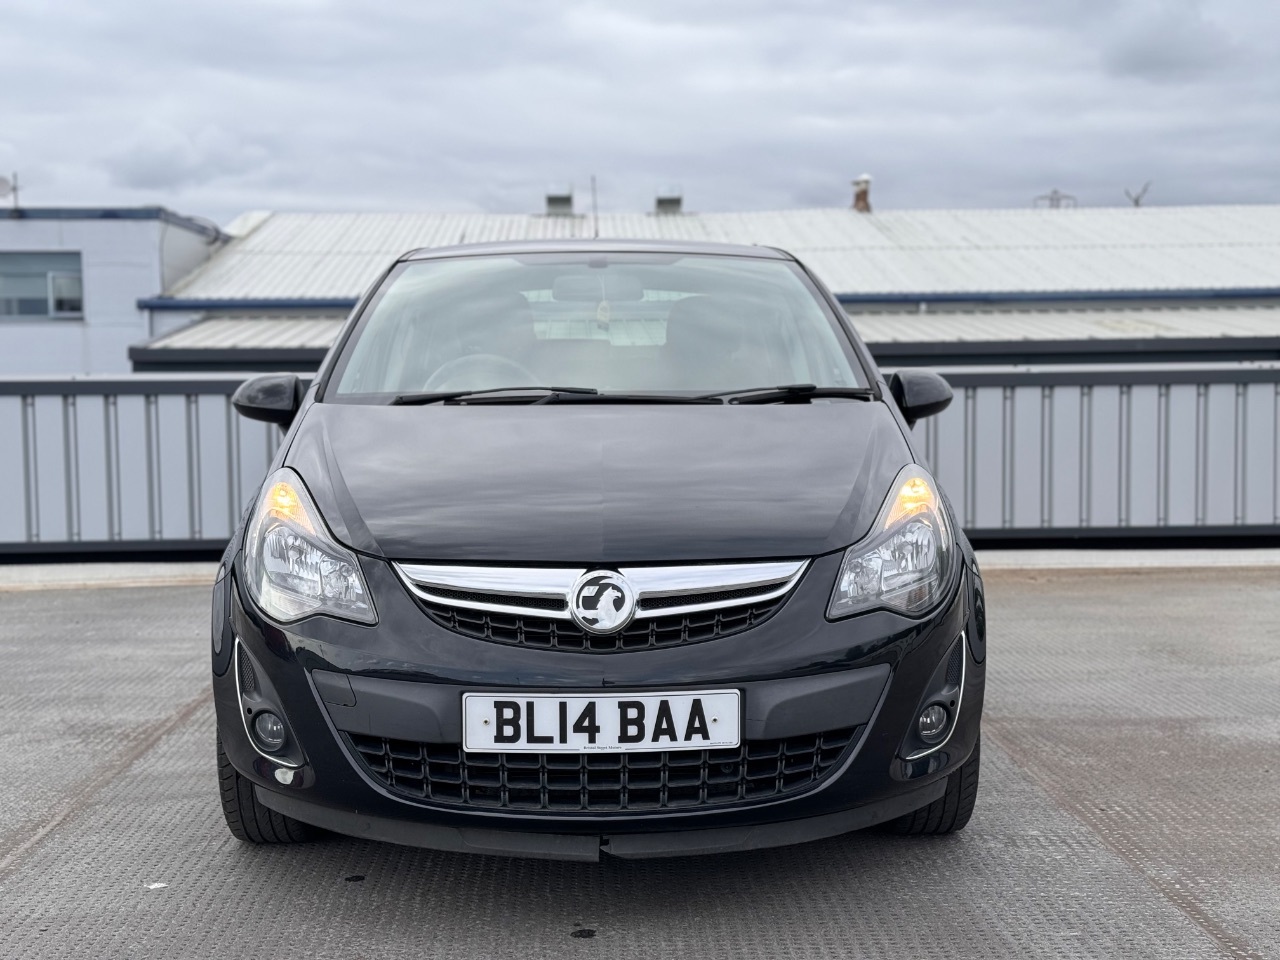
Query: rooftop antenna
x=1055, y=199
x=9, y=188
x=1136, y=198
x=595, y=211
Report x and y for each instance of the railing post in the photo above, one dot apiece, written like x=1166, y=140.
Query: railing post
x=1124, y=455
x=1240, y=488
x=1008, y=412
x=1086, y=455
x=111, y=460
x=1202, y=453
x=195, y=499
x=970, y=457
x=30, y=469
x=233, y=465
x=1046, y=456
x=1162, y=455
x=151, y=414
x=71, y=464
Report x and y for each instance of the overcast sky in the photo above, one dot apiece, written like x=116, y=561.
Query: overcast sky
x=215, y=108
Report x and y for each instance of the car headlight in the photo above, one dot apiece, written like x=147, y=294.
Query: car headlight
x=293, y=565
x=905, y=563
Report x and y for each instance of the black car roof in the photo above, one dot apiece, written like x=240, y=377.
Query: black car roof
x=598, y=246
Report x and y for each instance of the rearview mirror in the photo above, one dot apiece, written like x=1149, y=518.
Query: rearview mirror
x=596, y=286
x=273, y=398
x=919, y=393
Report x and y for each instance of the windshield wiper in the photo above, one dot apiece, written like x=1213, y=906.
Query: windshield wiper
x=537, y=395
x=794, y=393
x=495, y=395
x=630, y=398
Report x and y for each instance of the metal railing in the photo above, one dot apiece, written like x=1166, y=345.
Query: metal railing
x=119, y=463
x=155, y=464
x=1135, y=451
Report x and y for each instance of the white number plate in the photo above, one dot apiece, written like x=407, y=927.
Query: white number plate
x=590, y=723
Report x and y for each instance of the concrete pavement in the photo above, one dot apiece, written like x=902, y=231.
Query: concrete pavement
x=1129, y=807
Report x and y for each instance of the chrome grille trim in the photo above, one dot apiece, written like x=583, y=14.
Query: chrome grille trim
x=749, y=582
x=543, y=583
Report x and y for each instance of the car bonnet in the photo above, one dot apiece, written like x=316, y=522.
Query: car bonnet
x=598, y=484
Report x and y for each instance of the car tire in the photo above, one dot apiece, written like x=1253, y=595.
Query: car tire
x=951, y=811
x=247, y=819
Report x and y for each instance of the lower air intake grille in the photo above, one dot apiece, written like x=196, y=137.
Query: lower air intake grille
x=248, y=676
x=549, y=633
x=955, y=665
x=602, y=782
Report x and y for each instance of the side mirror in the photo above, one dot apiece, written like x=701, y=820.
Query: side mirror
x=274, y=398
x=919, y=393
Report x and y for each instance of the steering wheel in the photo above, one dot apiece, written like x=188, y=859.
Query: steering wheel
x=479, y=371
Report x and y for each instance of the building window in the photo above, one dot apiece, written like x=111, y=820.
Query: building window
x=40, y=285
x=65, y=296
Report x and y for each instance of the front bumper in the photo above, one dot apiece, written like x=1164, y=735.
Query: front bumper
x=404, y=679
x=589, y=847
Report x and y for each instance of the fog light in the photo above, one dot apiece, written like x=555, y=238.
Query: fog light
x=269, y=729
x=932, y=723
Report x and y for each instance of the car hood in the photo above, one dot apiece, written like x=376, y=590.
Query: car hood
x=598, y=484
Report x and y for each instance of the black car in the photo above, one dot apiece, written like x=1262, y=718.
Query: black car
x=587, y=547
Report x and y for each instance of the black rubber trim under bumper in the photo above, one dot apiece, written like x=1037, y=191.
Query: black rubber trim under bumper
x=587, y=847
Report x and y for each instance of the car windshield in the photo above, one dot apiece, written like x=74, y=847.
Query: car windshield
x=632, y=323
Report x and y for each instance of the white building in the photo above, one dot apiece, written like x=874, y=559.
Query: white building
x=71, y=279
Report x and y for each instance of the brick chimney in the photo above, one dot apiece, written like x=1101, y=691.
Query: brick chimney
x=862, y=193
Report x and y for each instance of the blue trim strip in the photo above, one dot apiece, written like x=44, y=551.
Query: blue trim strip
x=1001, y=296
x=256, y=303
x=1062, y=296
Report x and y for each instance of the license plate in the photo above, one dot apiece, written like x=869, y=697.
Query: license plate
x=594, y=723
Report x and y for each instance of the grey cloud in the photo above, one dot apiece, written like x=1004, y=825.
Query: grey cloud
x=215, y=108
x=162, y=157
x=1165, y=41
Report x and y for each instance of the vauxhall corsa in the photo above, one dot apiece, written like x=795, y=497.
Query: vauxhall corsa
x=597, y=547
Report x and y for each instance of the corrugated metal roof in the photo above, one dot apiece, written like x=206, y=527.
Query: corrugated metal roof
x=252, y=333
x=1001, y=326
x=333, y=255
x=292, y=333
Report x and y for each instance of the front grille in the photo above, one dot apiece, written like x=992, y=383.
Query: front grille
x=602, y=782
x=551, y=634
x=530, y=606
